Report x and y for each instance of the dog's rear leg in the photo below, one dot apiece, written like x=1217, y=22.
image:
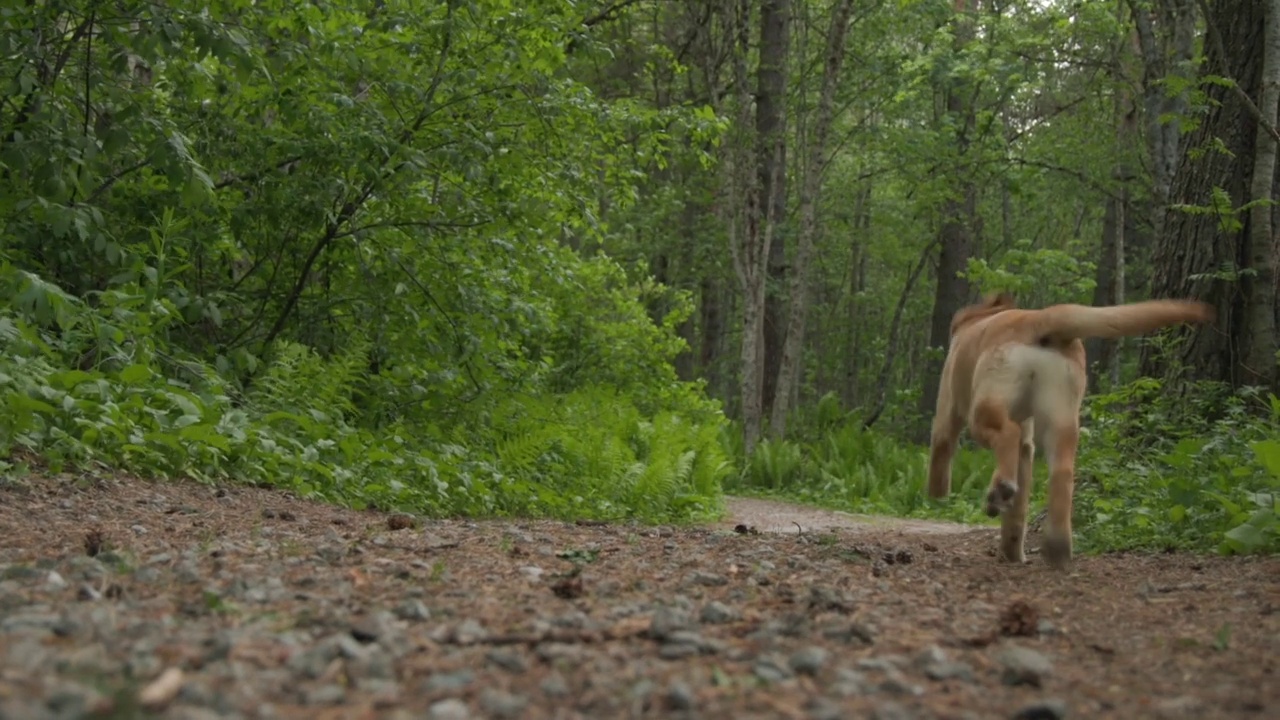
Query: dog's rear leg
x=992, y=428
x=1013, y=524
x=942, y=448
x=1062, y=463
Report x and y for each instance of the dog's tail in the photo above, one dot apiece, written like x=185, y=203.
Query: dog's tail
x=1063, y=323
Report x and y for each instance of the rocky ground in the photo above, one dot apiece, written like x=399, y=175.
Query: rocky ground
x=122, y=598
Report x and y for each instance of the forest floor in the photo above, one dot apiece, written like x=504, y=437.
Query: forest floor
x=123, y=598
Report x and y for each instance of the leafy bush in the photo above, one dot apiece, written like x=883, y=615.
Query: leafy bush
x=591, y=452
x=1196, y=469
x=856, y=470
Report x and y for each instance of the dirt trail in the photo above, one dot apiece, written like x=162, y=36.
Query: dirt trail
x=782, y=517
x=201, y=603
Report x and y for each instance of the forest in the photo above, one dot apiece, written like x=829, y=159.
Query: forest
x=614, y=258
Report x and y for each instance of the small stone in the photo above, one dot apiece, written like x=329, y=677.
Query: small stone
x=469, y=632
x=328, y=694
x=55, y=581
x=502, y=704
x=449, y=709
x=449, y=681
x=770, y=670
x=138, y=529
x=849, y=683
x=931, y=655
x=821, y=708
x=667, y=620
x=677, y=650
x=1024, y=666
x=809, y=660
x=1042, y=710
x=554, y=685
x=508, y=660
x=413, y=609
x=708, y=579
x=890, y=711
x=680, y=696
x=948, y=670
x=532, y=573
x=1044, y=627
x=717, y=613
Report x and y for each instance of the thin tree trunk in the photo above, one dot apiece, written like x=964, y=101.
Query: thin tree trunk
x=952, y=291
x=1260, y=352
x=751, y=229
x=891, y=346
x=810, y=194
x=771, y=130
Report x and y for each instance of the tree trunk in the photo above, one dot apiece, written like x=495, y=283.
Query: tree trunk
x=1165, y=32
x=771, y=130
x=891, y=345
x=1188, y=260
x=1104, y=355
x=1101, y=352
x=857, y=280
x=1260, y=346
x=751, y=229
x=951, y=291
x=810, y=194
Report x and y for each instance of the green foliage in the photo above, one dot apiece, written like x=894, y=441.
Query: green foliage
x=332, y=249
x=1193, y=470
x=588, y=453
x=856, y=470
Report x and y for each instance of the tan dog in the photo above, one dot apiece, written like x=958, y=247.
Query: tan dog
x=1017, y=378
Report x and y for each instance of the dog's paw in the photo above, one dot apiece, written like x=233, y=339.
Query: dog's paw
x=999, y=497
x=1056, y=550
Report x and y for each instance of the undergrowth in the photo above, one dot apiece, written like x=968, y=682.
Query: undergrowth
x=93, y=383
x=1157, y=470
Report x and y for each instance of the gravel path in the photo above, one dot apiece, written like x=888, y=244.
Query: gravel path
x=122, y=598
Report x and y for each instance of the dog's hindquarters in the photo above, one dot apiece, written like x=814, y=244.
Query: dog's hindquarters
x=1026, y=395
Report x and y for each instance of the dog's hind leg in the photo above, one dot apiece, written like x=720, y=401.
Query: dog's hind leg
x=942, y=448
x=1062, y=441
x=1013, y=522
x=992, y=427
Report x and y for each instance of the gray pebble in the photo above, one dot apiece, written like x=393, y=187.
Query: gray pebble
x=717, y=613
x=449, y=681
x=667, y=620
x=554, y=685
x=770, y=669
x=413, y=610
x=1048, y=709
x=680, y=696
x=502, y=704
x=821, y=708
x=708, y=579
x=948, y=671
x=1024, y=666
x=328, y=694
x=509, y=660
x=469, y=632
x=809, y=660
x=449, y=709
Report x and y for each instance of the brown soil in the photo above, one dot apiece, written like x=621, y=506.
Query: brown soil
x=202, y=602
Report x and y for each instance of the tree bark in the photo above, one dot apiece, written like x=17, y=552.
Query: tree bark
x=951, y=291
x=751, y=229
x=810, y=194
x=771, y=130
x=891, y=346
x=1260, y=346
x=1198, y=254
x=1165, y=32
